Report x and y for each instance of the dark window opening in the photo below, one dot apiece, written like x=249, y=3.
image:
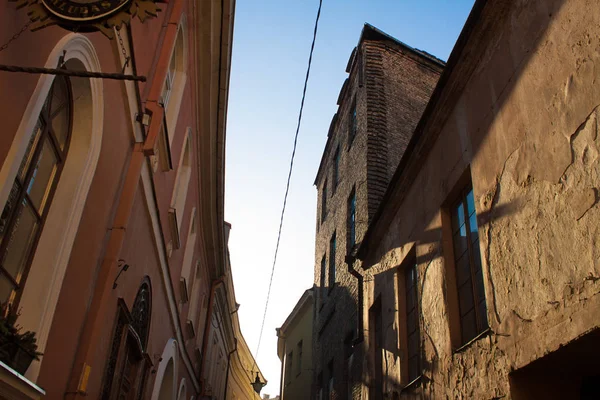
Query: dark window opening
x=351, y=221
x=332, y=246
x=376, y=339
x=129, y=363
x=353, y=124
x=324, y=202
x=336, y=168
x=570, y=372
x=323, y=270
x=413, y=333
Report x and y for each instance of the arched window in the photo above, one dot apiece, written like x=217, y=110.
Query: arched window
x=182, y=390
x=25, y=211
x=140, y=314
x=128, y=365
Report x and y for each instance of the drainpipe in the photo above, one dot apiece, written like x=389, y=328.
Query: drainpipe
x=350, y=259
x=228, y=365
x=98, y=311
x=211, y=301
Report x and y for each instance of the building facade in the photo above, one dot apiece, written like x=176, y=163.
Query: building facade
x=380, y=103
x=113, y=242
x=294, y=349
x=479, y=271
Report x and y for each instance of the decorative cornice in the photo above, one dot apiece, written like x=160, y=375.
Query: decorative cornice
x=87, y=16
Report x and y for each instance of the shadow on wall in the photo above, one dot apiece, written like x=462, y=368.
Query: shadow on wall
x=386, y=335
x=572, y=371
x=336, y=310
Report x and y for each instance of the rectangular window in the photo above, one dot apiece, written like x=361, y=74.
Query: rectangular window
x=299, y=358
x=353, y=123
x=413, y=333
x=336, y=168
x=351, y=231
x=324, y=201
x=467, y=262
x=332, y=245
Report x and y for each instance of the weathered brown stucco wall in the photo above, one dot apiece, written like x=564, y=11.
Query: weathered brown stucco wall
x=526, y=125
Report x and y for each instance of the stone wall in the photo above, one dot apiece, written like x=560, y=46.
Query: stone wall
x=524, y=131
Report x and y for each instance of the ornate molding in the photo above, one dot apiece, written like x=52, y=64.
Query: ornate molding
x=87, y=15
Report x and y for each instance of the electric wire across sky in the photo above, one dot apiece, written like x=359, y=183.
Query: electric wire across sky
x=287, y=186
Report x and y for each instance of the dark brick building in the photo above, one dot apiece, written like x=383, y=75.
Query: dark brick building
x=388, y=87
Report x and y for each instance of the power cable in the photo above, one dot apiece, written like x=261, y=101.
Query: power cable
x=287, y=186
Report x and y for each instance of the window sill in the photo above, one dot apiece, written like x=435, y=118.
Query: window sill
x=13, y=382
x=465, y=346
x=413, y=384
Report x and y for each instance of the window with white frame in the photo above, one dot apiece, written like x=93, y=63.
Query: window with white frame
x=175, y=79
x=188, y=255
x=195, y=299
x=26, y=208
x=182, y=181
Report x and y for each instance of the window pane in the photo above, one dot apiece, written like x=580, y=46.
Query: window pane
x=29, y=152
x=458, y=217
x=476, y=257
x=60, y=127
x=465, y=298
x=483, y=321
x=6, y=288
x=469, y=327
x=413, y=344
x=11, y=203
x=463, y=270
x=172, y=64
x=411, y=321
x=473, y=227
x=479, y=287
x=413, y=369
x=410, y=301
x=21, y=240
x=43, y=175
x=470, y=203
x=460, y=244
x=60, y=110
x=60, y=95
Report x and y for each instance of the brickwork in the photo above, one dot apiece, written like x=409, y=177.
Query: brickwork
x=364, y=165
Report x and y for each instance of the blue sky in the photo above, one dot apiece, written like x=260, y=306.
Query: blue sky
x=270, y=53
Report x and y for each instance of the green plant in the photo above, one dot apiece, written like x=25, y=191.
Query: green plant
x=12, y=337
